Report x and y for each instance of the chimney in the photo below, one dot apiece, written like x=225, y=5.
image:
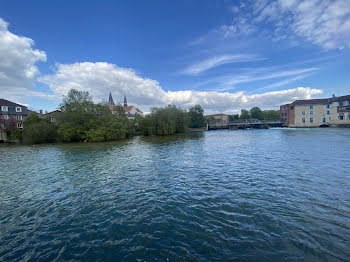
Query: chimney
x=333, y=95
x=41, y=111
x=45, y=111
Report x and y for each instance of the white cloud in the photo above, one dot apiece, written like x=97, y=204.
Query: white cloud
x=101, y=78
x=325, y=23
x=17, y=64
x=230, y=102
x=219, y=60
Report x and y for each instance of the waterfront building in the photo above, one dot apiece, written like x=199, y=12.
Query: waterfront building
x=218, y=117
x=217, y=121
x=12, y=114
x=333, y=112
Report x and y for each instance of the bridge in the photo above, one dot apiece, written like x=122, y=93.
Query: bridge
x=243, y=124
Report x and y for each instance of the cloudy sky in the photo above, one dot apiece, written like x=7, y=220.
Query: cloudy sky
x=224, y=55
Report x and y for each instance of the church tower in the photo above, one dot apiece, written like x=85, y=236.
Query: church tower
x=125, y=102
x=110, y=100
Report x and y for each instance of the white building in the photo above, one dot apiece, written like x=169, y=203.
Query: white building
x=334, y=112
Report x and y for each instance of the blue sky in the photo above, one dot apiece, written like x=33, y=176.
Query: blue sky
x=224, y=55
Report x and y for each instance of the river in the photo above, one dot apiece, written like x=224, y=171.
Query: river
x=247, y=195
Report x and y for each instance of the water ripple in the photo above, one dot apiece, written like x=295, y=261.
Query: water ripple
x=253, y=195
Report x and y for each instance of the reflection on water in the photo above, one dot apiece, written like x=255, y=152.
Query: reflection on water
x=251, y=195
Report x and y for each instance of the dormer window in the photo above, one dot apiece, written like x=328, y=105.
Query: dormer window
x=18, y=109
x=5, y=108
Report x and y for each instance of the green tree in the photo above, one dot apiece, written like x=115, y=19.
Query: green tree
x=38, y=130
x=233, y=117
x=196, y=117
x=164, y=121
x=256, y=113
x=271, y=115
x=244, y=114
x=82, y=120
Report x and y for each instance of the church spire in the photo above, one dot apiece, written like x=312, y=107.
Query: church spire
x=125, y=102
x=110, y=100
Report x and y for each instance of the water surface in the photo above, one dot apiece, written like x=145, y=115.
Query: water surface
x=248, y=195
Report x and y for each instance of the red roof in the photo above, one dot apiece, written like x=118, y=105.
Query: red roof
x=128, y=108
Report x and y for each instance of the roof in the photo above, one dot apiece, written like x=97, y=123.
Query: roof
x=5, y=102
x=52, y=112
x=340, y=98
x=322, y=101
x=216, y=115
x=128, y=109
x=312, y=102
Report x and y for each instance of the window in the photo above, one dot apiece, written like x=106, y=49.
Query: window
x=303, y=120
x=19, y=117
x=311, y=112
x=324, y=120
x=328, y=112
x=348, y=116
x=292, y=107
x=341, y=117
x=6, y=117
x=52, y=119
x=311, y=107
x=303, y=113
x=311, y=119
x=341, y=103
x=5, y=108
x=327, y=106
x=19, y=125
x=18, y=109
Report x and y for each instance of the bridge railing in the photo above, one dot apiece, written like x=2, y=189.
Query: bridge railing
x=254, y=121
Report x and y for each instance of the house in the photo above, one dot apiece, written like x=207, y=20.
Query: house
x=12, y=114
x=53, y=115
x=334, y=112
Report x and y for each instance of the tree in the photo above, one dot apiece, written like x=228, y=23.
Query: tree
x=38, y=130
x=164, y=121
x=256, y=113
x=233, y=117
x=196, y=117
x=244, y=114
x=82, y=120
x=271, y=114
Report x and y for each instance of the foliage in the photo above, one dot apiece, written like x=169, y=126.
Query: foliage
x=82, y=120
x=37, y=130
x=256, y=113
x=196, y=117
x=271, y=114
x=233, y=117
x=244, y=114
x=164, y=121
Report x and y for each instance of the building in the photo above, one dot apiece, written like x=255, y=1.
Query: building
x=218, y=117
x=217, y=121
x=12, y=114
x=130, y=111
x=53, y=116
x=333, y=112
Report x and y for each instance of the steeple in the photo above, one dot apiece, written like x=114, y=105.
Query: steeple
x=110, y=100
x=125, y=102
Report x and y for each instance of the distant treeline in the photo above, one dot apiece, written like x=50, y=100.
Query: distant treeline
x=80, y=120
x=256, y=113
